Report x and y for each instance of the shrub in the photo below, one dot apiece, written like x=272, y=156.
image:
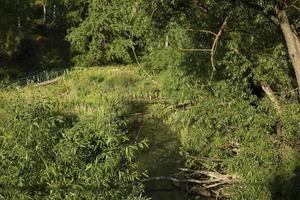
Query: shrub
x=47, y=153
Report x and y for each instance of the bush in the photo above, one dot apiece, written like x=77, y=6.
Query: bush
x=47, y=153
x=227, y=130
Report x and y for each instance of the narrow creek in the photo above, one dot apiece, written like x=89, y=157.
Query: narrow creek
x=162, y=158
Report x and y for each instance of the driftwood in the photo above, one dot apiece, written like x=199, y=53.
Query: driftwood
x=211, y=179
x=204, y=183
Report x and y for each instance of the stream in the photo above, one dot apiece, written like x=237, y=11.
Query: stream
x=162, y=158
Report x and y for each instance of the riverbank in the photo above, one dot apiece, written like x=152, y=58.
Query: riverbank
x=144, y=129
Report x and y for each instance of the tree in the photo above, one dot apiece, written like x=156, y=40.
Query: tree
x=108, y=32
x=291, y=36
x=14, y=23
x=279, y=12
x=252, y=31
x=9, y=23
x=235, y=55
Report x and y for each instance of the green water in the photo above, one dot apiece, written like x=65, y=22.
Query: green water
x=162, y=158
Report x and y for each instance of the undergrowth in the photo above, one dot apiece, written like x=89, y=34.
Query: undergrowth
x=70, y=140
x=73, y=140
x=223, y=128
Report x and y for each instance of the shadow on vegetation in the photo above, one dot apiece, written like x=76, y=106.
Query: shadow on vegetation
x=162, y=158
x=286, y=189
x=295, y=185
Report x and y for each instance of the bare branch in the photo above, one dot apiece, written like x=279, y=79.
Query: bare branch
x=215, y=181
x=216, y=184
x=211, y=183
x=297, y=8
x=203, y=31
x=212, y=174
x=214, y=47
x=176, y=180
x=137, y=61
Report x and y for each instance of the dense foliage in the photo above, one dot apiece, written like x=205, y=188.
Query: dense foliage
x=108, y=33
x=233, y=65
x=66, y=149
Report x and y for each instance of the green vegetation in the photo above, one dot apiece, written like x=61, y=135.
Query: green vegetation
x=203, y=95
x=68, y=141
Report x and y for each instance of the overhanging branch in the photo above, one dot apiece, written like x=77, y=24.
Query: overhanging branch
x=214, y=47
x=203, y=31
x=297, y=8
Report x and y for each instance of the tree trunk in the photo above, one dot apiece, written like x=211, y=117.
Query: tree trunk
x=19, y=22
x=167, y=42
x=19, y=19
x=45, y=12
x=292, y=42
x=54, y=12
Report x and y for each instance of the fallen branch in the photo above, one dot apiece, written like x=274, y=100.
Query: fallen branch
x=271, y=95
x=215, y=182
x=214, y=176
x=205, y=159
x=49, y=82
x=176, y=180
x=276, y=104
x=210, y=182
